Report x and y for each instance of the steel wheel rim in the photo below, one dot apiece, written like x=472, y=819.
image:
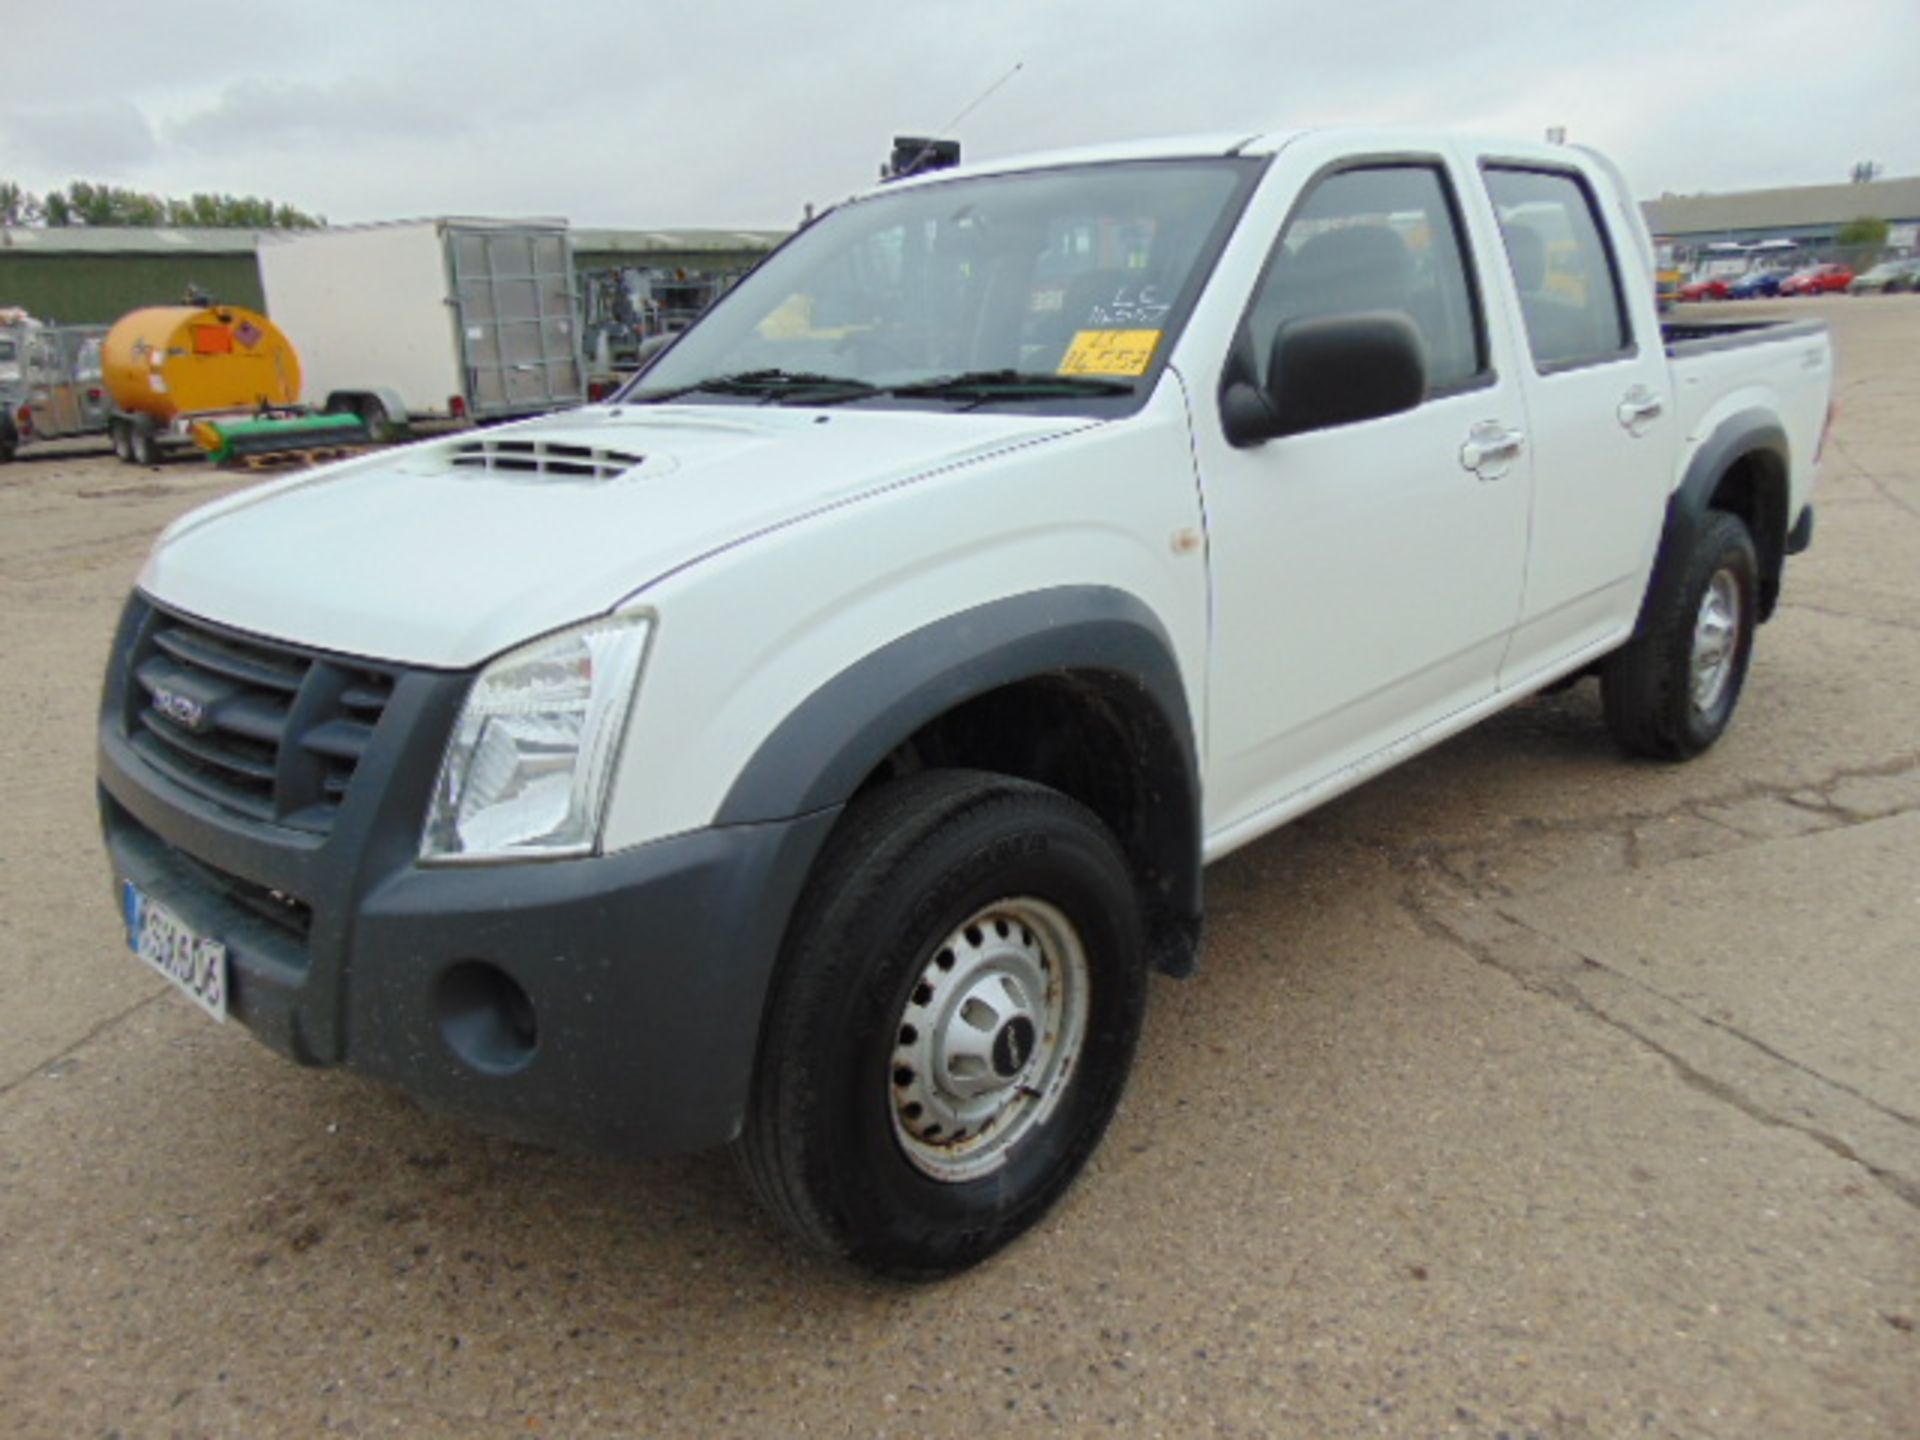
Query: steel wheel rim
x=988, y=1039
x=1716, y=640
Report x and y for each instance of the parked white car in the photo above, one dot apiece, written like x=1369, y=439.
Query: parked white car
x=815, y=747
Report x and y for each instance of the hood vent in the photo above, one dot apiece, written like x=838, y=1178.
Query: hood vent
x=544, y=457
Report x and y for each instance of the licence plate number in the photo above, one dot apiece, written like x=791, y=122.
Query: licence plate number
x=196, y=965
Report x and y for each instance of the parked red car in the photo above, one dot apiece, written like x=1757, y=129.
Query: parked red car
x=1705, y=289
x=1818, y=280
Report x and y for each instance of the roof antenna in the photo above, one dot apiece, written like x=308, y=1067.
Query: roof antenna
x=1019, y=65
x=915, y=156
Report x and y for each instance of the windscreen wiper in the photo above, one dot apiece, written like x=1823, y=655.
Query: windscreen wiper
x=1011, y=385
x=770, y=386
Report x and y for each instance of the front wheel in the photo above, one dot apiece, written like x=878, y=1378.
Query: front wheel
x=955, y=1015
x=1671, y=692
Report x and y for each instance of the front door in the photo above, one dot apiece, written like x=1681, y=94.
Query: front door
x=1365, y=579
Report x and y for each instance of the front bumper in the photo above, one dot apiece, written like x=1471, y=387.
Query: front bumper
x=643, y=972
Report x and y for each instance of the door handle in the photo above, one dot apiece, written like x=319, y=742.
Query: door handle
x=1639, y=406
x=1491, y=447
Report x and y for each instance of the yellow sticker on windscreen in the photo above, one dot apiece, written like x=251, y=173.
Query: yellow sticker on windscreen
x=1109, y=352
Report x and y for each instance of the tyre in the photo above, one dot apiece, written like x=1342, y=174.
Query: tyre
x=143, y=447
x=1671, y=693
x=117, y=437
x=957, y=1007
x=379, y=424
x=9, y=441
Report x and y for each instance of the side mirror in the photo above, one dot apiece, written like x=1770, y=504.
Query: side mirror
x=1333, y=370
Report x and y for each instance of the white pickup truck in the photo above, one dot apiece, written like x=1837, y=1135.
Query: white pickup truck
x=815, y=747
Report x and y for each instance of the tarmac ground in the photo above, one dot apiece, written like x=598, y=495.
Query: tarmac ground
x=1525, y=1092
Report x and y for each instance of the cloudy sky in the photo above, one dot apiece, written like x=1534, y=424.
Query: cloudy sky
x=736, y=112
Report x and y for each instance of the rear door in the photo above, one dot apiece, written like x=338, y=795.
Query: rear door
x=1598, y=412
x=519, y=338
x=1365, y=578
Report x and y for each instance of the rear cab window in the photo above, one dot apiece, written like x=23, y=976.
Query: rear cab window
x=1378, y=236
x=1563, y=267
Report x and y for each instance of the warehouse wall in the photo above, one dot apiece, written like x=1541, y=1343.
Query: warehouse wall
x=99, y=289
x=698, y=262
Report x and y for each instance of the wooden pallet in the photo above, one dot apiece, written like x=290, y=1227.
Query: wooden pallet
x=305, y=458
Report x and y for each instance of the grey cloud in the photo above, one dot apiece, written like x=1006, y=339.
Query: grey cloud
x=99, y=139
x=253, y=114
x=622, y=113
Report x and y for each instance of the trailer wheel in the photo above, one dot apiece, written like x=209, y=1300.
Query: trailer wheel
x=143, y=446
x=117, y=437
x=372, y=413
x=379, y=425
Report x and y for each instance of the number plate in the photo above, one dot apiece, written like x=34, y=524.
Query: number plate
x=195, y=964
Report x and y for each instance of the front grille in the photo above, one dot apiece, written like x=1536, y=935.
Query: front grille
x=269, y=730
x=544, y=457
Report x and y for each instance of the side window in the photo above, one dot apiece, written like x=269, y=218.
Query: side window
x=1562, y=267
x=1382, y=238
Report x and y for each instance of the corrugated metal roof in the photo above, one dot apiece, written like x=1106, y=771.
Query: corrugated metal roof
x=126, y=240
x=642, y=241
x=131, y=240
x=1801, y=205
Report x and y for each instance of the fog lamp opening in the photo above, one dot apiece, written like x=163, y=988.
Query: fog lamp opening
x=486, y=1017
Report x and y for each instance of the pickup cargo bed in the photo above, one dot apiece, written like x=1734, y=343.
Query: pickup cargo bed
x=1696, y=337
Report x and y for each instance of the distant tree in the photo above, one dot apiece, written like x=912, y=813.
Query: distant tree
x=17, y=207
x=107, y=205
x=245, y=212
x=1864, y=232
x=84, y=203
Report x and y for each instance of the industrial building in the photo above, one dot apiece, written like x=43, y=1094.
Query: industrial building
x=76, y=275
x=73, y=275
x=1808, y=216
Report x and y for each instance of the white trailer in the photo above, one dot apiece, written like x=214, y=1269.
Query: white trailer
x=442, y=319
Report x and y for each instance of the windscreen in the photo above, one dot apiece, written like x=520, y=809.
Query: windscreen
x=1076, y=274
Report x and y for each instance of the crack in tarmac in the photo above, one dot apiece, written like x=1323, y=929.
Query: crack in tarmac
x=1735, y=1031
x=1839, y=614
x=1874, y=480
x=1565, y=989
x=40, y=1067
x=1447, y=864
x=1626, y=826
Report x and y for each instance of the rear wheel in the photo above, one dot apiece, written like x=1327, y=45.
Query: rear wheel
x=954, y=1019
x=143, y=445
x=1671, y=692
x=118, y=437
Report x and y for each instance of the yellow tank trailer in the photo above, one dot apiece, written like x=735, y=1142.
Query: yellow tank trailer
x=183, y=360
x=189, y=372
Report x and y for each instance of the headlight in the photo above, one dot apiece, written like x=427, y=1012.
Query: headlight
x=525, y=774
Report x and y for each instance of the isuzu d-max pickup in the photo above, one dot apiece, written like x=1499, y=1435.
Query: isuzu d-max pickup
x=814, y=748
